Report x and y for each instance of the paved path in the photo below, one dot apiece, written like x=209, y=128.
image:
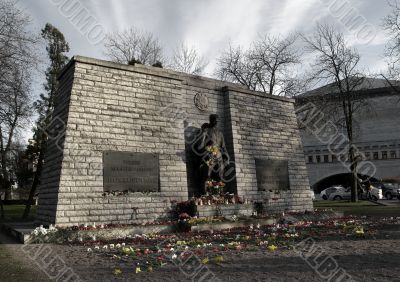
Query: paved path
x=391, y=203
x=14, y=265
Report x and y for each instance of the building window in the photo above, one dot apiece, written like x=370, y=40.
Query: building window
x=310, y=159
x=326, y=159
x=334, y=158
x=384, y=155
x=367, y=156
x=393, y=155
x=376, y=155
x=318, y=159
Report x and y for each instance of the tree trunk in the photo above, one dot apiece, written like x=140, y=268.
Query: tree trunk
x=6, y=184
x=1, y=208
x=354, y=177
x=35, y=183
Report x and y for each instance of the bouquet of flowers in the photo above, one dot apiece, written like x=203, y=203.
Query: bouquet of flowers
x=215, y=187
x=213, y=152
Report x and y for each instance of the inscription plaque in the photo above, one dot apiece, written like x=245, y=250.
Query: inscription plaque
x=135, y=172
x=272, y=175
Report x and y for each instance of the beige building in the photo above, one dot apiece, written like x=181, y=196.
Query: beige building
x=376, y=131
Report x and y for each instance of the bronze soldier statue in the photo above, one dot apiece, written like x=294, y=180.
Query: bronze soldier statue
x=213, y=142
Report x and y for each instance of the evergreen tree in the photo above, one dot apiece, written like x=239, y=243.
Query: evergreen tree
x=56, y=49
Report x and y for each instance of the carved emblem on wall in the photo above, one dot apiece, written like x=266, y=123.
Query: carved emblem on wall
x=201, y=101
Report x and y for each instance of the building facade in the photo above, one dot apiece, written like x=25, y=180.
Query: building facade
x=376, y=134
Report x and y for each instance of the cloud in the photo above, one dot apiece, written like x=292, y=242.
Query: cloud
x=209, y=25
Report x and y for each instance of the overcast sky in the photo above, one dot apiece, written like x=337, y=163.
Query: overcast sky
x=210, y=25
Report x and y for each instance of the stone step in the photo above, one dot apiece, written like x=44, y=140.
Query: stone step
x=225, y=210
x=19, y=231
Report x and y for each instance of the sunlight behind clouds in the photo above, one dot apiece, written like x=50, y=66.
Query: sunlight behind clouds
x=210, y=25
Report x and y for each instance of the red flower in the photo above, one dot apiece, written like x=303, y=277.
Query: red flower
x=183, y=216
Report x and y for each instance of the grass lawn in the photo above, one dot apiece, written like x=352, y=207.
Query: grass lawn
x=360, y=208
x=13, y=213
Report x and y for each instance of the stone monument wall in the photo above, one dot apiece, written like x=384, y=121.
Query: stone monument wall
x=106, y=107
x=266, y=128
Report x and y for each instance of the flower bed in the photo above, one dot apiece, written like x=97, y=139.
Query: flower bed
x=153, y=251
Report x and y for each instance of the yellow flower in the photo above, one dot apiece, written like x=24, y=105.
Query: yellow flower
x=272, y=248
x=359, y=230
x=150, y=268
x=218, y=259
x=126, y=250
x=137, y=269
x=205, y=260
x=117, y=271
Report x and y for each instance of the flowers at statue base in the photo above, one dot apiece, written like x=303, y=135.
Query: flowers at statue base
x=184, y=216
x=215, y=187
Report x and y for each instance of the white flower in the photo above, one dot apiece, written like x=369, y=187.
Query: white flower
x=102, y=226
x=89, y=249
x=97, y=248
x=174, y=256
x=186, y=247
x=198, y=246
x=111, y=246
x=118, y=246
x=80, y=239
x=105, y=247
x=172, y=249
x=85, y=225
x=123, y=244
x=94, y=237
x=221, y=245
x=258, y=226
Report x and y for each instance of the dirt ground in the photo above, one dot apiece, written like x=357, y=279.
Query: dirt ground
x=357, y=260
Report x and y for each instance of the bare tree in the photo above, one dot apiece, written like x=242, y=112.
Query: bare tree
x=391, y=24
x=14, y=109
x=133, y=46
x=236, y=65
x=337, y=64
x=264, y=66
x=186, y=59
x=16, y=41
x=17, y=59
